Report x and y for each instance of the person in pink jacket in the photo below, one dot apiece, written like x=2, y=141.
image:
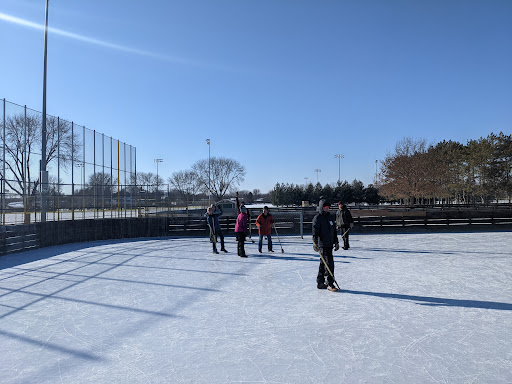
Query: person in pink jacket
x=241, y=230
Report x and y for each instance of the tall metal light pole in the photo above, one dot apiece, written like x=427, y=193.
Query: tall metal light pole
x=157, y=161
x=376, y=161
x=306, y=178
x=339, y=157
x=317, y=171
x=44, y=172
x=209, y=182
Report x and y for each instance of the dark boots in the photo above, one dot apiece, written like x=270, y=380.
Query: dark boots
x=241, y=249
x=222, y=244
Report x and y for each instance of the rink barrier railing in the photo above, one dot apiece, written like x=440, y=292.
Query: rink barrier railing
x=287, y=223
x=17, y=238
x=196, y=226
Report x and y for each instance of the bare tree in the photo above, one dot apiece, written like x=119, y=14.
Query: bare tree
x=148, y=180
x=23, y=142
x=220, y=175
x=185, y=182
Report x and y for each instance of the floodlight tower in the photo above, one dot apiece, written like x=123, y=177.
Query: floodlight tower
x=157, y=161
x=44, y=173
x=339, y=157
x=317, y=171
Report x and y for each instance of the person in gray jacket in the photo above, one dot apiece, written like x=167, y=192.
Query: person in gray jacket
x=324, y=239
x=344, y=222
x=212, y=218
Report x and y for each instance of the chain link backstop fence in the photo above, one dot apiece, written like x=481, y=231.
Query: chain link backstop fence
x=91, y=175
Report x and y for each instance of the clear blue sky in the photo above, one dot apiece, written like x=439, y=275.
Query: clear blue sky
x=279, y=85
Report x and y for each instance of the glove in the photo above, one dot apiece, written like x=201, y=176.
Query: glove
x=315, y=247
x=337, y=246
x=351, y=225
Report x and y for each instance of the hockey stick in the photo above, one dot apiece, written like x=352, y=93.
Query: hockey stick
x=213, y=238
x=282, y=250
x=328, y=269
x=345, y=232
x=250, y=228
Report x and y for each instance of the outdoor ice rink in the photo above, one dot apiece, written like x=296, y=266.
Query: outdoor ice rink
x=414, y=308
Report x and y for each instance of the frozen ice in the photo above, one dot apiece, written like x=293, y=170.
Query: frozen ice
x=413, y=308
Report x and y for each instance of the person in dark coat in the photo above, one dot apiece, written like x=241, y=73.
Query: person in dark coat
x=344, y=222
x=264, y=223
x=324, y=239
x=212, y=218
x=241, y=230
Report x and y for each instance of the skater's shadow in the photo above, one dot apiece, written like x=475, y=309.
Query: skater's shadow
x=437, y=301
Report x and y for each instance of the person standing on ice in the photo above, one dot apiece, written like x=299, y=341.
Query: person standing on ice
x=212, y=218
x=324, y=239
x=241, y=230
x=239, y=205
x=344, y=222
x=264, y=223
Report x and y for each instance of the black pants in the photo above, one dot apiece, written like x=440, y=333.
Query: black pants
x=322, y=271
x=218, y=232
x=345, y=231
x=240, y=238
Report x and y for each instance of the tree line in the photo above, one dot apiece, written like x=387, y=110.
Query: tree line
x=477, y=172
x=295, y=194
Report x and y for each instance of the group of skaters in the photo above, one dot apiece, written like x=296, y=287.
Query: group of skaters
x=325, y=230
x=264, y=223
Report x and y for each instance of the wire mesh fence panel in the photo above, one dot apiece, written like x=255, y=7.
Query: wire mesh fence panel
x=89, y=175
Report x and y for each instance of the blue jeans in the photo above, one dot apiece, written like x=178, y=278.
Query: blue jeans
x=260, y=242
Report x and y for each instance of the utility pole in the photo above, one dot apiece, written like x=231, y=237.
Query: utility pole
x=44, y=173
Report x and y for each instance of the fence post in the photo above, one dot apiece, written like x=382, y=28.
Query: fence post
x=56, y=206
x=3, y=173
x=301, y=224
x=103, y=184
x=72, y=171
x=95, y=210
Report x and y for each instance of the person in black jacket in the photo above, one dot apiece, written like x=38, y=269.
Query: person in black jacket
x=344, y=222
x=324, y=239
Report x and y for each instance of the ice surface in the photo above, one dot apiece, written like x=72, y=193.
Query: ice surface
x=415, y=308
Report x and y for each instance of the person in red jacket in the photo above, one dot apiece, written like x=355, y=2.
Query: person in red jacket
x=264, y=223
x=241, y=230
